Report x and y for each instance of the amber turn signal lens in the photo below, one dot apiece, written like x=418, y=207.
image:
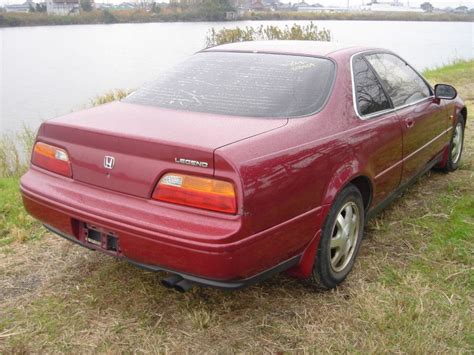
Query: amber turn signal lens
x=209, y=194
x=52, y=158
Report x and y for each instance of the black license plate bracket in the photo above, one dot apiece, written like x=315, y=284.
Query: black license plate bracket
x=101, y=238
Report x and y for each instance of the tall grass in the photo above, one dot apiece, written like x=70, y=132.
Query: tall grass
x=15, y=148
x=309, y=32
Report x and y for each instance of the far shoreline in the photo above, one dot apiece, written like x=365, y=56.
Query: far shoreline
x=104, y=17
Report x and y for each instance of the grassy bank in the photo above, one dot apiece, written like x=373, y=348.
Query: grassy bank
x=411, y=290
x=179, y=15
x=359, y=16
x=105, y=17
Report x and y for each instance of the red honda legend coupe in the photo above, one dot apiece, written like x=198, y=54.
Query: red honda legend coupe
x=246, y=160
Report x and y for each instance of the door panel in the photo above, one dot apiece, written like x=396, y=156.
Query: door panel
x=381, y=133
x=385, y=155
x=422, y=118
x=424, y=135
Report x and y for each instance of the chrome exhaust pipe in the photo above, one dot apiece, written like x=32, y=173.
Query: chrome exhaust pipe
x=171, y=281
x=183, y=285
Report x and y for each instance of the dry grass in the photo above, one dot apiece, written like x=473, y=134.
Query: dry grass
x=15, y=152
x=411, y=291
x=113, y=95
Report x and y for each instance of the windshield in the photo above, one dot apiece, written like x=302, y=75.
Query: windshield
x=242, y=84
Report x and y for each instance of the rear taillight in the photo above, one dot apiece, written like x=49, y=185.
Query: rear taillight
x=209, y=194
x=51, y=158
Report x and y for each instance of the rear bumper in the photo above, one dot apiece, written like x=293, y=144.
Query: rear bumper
x=233, y=284
x=204, y=247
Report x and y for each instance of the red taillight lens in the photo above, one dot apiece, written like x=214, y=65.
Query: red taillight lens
x=52, y=158
x=209, y=194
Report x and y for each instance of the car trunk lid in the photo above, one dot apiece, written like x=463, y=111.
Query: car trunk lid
x=127, y=147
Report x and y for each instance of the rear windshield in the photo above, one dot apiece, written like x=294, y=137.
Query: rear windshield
x=242, y=84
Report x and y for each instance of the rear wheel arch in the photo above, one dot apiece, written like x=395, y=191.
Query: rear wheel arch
x=364, y=185
x=361, y=181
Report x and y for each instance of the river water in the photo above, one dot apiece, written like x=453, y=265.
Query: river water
x=49, y=71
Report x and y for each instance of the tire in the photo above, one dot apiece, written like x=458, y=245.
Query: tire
x=332, y=266
x=456, y=145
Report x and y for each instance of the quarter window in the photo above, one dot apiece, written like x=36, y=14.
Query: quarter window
x=403, y=84
x=369, y=93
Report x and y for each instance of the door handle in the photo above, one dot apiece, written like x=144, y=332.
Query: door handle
x=409, y=122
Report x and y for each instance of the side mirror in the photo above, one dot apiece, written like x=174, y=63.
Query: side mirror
x=445, y=92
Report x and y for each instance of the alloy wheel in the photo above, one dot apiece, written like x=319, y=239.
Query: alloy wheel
x=344, y=236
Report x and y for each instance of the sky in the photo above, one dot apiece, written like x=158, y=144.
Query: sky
x=413, y=3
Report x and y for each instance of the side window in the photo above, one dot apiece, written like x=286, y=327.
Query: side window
x=403, y=84
x=369, y=93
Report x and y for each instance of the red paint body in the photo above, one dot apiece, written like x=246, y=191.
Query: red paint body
x=286, y=172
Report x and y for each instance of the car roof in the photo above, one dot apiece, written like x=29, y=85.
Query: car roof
x=310, y=48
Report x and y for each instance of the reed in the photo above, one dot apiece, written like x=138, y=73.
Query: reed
x=309, y=32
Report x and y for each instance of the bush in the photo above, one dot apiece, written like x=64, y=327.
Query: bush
x=296, y=32
x=109, y=17
x=86, y=5
x=213, y=10
x=155, y=8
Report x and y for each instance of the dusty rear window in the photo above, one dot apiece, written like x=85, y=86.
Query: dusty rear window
x=242, y=84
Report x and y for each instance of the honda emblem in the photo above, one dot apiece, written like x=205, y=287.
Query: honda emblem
x=109, y=162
